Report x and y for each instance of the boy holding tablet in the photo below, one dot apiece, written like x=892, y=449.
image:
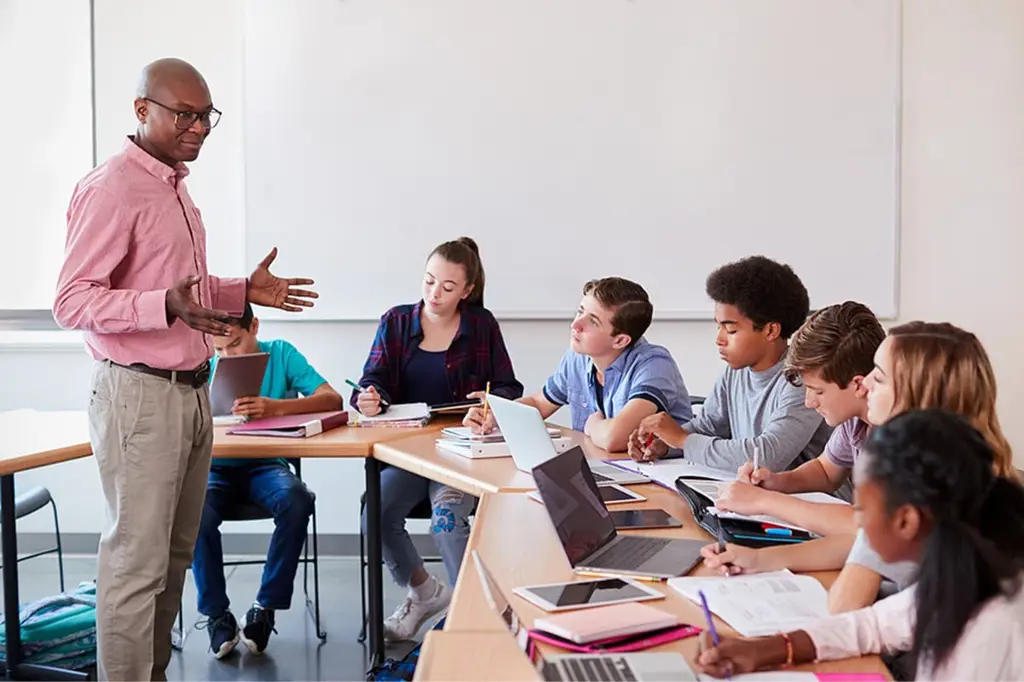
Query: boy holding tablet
x=290, y=386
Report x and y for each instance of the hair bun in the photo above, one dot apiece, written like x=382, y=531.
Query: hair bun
x=468, y=241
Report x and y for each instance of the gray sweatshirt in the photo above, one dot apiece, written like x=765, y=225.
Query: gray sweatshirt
x=747, y=409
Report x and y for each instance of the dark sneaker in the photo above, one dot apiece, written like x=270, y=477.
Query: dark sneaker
x=223, y=634
x=259, y=623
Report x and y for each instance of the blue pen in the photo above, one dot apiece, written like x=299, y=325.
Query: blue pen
x=711, y=623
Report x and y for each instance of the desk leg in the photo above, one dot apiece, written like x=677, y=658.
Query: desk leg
x=9, y=552
x=375, y=561
x=13, y=668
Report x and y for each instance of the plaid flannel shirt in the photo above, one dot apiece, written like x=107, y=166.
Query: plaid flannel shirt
x=476, y=355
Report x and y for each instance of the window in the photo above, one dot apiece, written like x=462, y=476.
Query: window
x=47, y=119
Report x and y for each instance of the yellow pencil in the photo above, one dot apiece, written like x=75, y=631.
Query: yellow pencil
x=487, y=394
x=641, y=578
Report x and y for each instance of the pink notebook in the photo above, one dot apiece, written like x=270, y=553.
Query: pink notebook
x=292, y=426
x=616, y=620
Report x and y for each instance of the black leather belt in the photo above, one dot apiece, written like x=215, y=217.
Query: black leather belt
x=190, y=377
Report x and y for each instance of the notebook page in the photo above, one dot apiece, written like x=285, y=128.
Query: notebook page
x=761, y=604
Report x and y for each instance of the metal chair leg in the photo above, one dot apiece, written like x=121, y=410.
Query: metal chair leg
x=316, y=582
x=362, y=582
x=60, y=549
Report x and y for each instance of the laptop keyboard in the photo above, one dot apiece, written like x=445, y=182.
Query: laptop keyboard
x=592, y=669
x=630, y=553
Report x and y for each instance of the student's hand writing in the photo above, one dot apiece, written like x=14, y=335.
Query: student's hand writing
x=256, y=407
x=639, y=451
x=368, y=402
x=664, y=427
x=762, y=477
x=475, y=419
x=744, y=498
x=735, y=560
x=737, y=656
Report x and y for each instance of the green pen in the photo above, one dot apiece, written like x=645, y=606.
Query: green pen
x=363, y=390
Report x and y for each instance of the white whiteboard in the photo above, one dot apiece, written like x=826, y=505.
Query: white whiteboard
x=651, y=139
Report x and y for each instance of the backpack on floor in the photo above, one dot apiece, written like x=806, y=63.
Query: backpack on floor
x=59, y=631
x=404, y=668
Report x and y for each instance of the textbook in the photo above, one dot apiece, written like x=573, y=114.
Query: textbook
x=292, y=426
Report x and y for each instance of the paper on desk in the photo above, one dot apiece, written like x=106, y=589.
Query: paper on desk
x=820, y=498
x=399, y=413
x=760, y=604
x=665, y=472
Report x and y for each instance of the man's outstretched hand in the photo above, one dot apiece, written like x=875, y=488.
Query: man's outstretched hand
x=267, y=289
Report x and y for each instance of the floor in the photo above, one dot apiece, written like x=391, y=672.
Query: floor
x=294, y=653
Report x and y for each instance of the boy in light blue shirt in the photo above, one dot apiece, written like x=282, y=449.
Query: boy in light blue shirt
x=290, y=386
x=610, y=377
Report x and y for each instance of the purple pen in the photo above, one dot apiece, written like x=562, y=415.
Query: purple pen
x=711, y=623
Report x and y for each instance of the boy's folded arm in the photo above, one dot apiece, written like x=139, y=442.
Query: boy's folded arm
x=613, y=434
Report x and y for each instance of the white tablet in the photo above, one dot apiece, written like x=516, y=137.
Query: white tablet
x=236, y=376
x=583, y=594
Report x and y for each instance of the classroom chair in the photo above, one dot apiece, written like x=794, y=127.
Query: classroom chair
x=31, y=501
x=252, y=512
x=423, y=510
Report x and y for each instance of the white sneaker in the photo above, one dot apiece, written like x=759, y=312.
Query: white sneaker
x=411, y=614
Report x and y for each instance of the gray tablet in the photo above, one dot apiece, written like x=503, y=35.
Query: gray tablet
x=237, y=376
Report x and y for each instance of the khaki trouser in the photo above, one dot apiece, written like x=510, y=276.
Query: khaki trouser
x=152, y=440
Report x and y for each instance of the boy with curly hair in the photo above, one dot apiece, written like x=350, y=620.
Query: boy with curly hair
x=759, y=304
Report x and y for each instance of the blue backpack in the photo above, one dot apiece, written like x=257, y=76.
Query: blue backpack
x=403, y=668
x=59, y=631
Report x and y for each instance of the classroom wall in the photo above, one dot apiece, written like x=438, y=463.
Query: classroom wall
x=962, y=210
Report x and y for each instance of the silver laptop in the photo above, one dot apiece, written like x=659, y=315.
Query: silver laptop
x=587, y=531
x=529, y=442
x=236, y=376
x=583, y=667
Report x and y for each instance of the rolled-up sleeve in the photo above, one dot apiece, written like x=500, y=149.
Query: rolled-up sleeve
x=657, y=380
x=556, y=388
x=98, y=241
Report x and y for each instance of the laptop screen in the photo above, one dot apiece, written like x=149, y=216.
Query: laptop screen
x=574, y=504
x=496, y=600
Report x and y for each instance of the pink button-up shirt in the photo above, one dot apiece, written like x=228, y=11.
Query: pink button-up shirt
x=133, y=233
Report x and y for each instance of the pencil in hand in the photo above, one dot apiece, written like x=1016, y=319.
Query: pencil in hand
x=487, y=394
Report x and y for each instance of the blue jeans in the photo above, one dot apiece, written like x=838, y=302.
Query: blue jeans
x=400, y=493
x=276, y=489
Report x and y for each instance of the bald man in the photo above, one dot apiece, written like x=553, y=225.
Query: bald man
x=135, y=281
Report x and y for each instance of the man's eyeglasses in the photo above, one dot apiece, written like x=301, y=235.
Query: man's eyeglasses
x=183, y=120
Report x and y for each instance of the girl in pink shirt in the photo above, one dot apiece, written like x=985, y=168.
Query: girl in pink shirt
x=926, y=492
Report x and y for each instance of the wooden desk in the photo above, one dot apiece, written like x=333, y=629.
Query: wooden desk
x=473, y=656
x=346, y=441
x=31, y=439
x=343, y=442
x=515, y=538
x=420, y=455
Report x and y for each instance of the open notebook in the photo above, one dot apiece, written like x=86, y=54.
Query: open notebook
x=759, y=604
